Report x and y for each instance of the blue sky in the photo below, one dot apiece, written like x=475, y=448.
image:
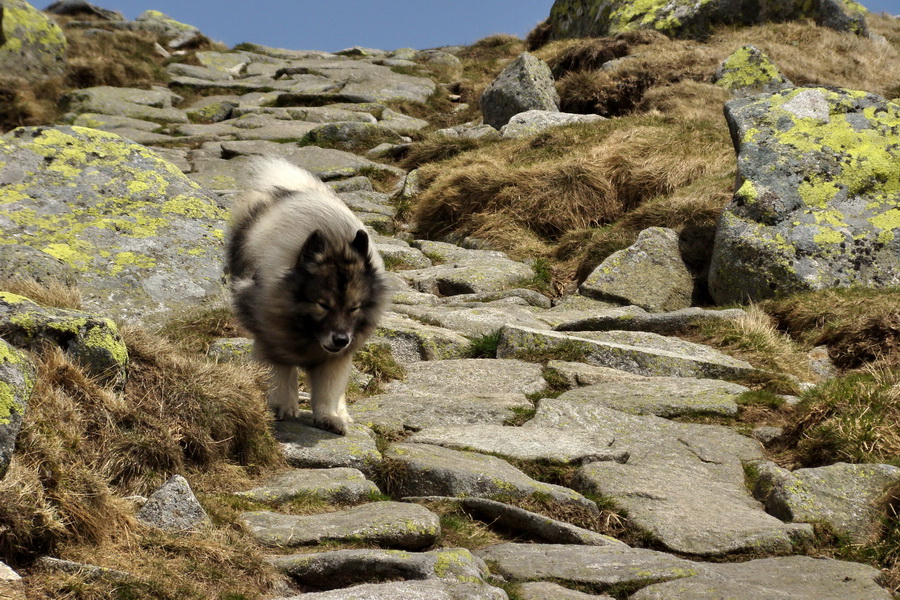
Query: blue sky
x=388, y=24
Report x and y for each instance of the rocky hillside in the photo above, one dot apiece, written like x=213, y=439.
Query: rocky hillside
x=644, y=340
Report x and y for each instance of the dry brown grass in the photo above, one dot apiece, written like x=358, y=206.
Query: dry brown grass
x=529, y=196
x=653, y=61
x=859, y=326
x=117, y=58
x=84, y=446
x=51, y=293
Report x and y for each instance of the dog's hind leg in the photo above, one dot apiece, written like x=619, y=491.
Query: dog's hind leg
x=328, y=383
x=283, y=391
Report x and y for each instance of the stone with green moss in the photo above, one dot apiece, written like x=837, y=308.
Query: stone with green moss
x=842, y=495
x=817, y=196
x=91, y=339
x=694, y=18
x=155, y=106
x=749, y=71
x=343, y=568
x=17, y=379
x=341, y=485
x=650, y=274
x=141, y=236
x=176, y=33
x=32, y=46
x=426, y=470
x=391, y=524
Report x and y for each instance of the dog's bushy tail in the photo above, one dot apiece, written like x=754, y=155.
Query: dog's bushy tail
x=276, y=176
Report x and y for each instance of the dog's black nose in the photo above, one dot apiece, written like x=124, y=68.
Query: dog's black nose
x=340, y=340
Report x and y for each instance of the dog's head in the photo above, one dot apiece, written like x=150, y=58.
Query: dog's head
x=336, y=289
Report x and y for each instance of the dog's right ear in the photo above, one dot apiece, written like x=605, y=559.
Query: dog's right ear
x=312, y=249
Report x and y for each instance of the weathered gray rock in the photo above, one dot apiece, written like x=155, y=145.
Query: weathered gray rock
x=650, y=274
x=391, y=524
x=231, y=349
x=19, y=261
x=85, y=571
x=445, y=392
x=11, y=585
x=843, y=496
x=667, y=397
x=576, y=374
x=683, y=483
x=173, y=507
x=684, y=19
x=90, y=339
x=402, y=256
x=348, y=135
x=424, y=470
x=475, y=321
x=598, y=567
x=525, y=84
x=32, y=46
x=470, y=131
x=532, y=122
x=147, y=105
x=198, y=72
x=308, y=447
x=539, y=444
x=666, y=323
x=249, y=127
x=816, y=198
x=410, y=590
x=749, y=71
x=340, y=485
x=80, y=8
x=542, y=590
x=463, y=271
x=17, y=379
x=324, y=163
x=530, y=297
x=544, y=528
x=176, y=34
x=309, y=114
x=142, y=237
x=411, y=341
x=787, y=578
x=649, y=355
x=344, y=568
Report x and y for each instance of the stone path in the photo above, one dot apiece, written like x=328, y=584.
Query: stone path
x=465, y=430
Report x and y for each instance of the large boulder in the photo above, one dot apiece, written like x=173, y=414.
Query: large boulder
x=32, y=45
x=525, y=84
x=17, y=378
x=817, y=197
x=142, y=237
x=694, y=18
x=90, y=339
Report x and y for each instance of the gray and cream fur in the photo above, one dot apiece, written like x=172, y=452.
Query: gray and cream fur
x=306, y=283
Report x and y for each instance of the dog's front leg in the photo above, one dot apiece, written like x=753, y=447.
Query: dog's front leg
x=328, y=383
x=283, y=391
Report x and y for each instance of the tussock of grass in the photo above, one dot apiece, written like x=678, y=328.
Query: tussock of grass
x=24, y=104
x=117, y=58
x=377, y=361
x=83, y=446
x=855, y=418
x=484, y=346
x=754, y=338
x=530, y=195
x=436, y=148
x=195, y=329
x=858, y=325
x=51, y=293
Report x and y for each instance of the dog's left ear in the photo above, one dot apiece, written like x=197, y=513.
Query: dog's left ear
x=361, y=243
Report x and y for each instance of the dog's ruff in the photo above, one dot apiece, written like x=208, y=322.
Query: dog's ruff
x=306, y=283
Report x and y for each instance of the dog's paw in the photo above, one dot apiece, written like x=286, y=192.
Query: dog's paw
x=332, y=423
x=284, y=410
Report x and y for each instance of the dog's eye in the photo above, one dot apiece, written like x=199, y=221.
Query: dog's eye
x=323, y=306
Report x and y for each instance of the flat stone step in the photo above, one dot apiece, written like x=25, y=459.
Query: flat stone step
x=391, y=524
x=339, y=485
x=308, y=447
x=645, y=354
x=424, y=470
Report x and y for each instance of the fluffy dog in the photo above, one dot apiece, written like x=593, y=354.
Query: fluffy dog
x=306, y=283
